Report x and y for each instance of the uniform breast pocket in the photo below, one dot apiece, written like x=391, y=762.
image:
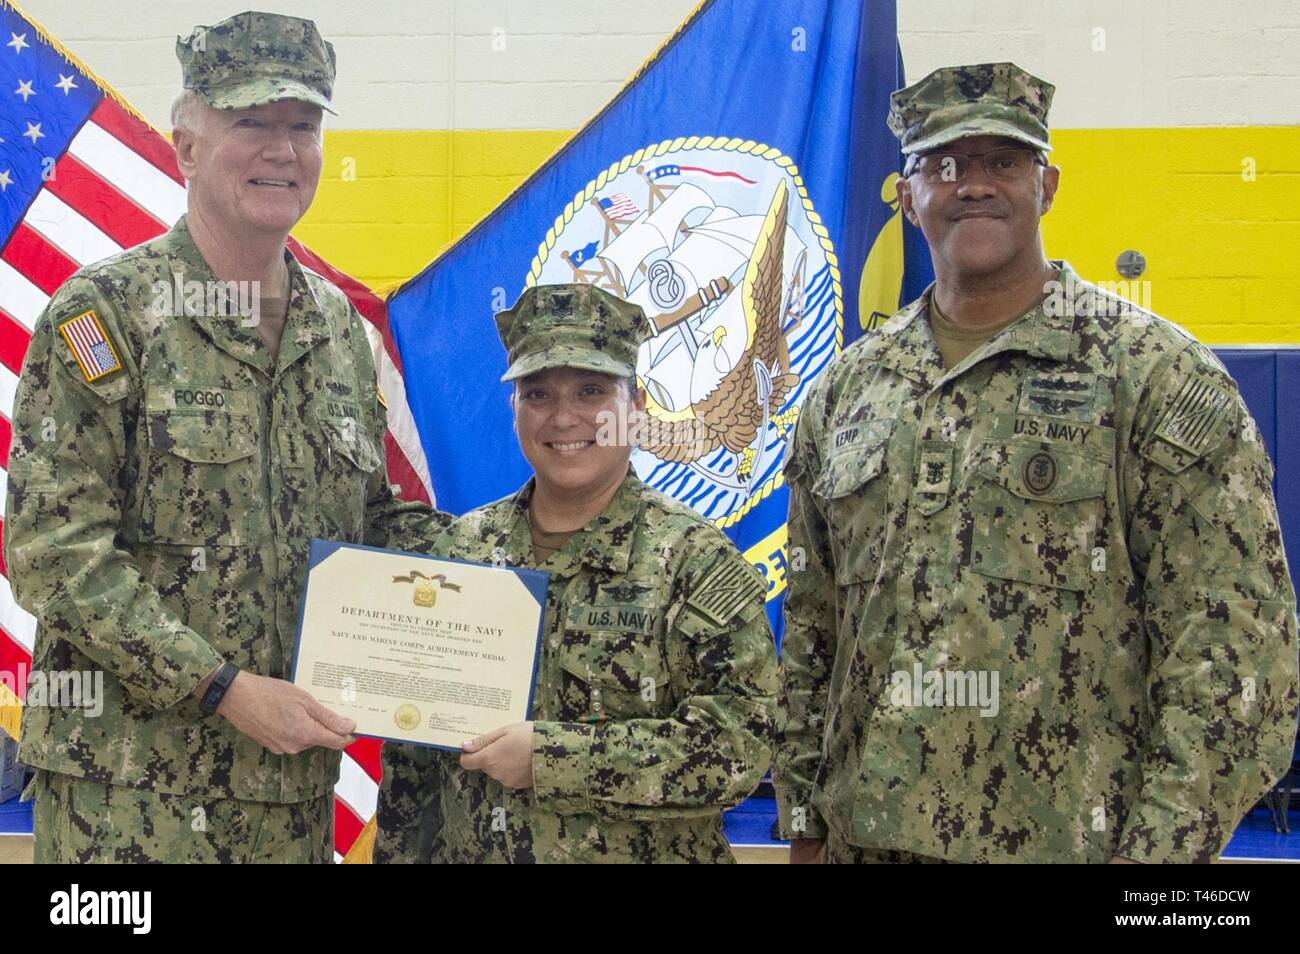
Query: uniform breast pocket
x=1036, y=510
x=343, y=472
x=853, y=493
x=199, y=481
x=611, y=677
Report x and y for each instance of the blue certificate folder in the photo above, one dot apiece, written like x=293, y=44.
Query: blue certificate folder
x=535, y=582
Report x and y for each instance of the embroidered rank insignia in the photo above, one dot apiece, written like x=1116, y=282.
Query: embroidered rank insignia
x=724, y=591
x=90, y=346
x=1190, y=422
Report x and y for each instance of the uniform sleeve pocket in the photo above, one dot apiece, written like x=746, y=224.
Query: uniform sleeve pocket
x=33, y=475
x=33, y=496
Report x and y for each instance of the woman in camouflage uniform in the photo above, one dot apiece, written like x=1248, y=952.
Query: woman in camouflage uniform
x=653, y=708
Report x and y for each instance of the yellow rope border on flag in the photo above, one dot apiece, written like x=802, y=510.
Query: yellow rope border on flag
x=11, y=713
x=734, y=144
x=363, y=849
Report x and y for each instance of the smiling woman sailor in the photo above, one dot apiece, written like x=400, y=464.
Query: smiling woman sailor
x=656, y=684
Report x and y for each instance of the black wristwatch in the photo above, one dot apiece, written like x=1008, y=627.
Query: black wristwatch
x=216, y=690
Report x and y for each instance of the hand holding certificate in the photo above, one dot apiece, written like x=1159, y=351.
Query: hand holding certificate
x=415, y=648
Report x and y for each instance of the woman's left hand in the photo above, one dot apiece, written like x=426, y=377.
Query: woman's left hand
x=504, y=754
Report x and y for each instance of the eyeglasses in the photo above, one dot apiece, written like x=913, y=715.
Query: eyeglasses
x=1007, y=165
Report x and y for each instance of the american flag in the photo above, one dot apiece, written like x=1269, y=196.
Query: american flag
x=619, y=206
x=93, y=350
x=673, y=169
x=83, y=176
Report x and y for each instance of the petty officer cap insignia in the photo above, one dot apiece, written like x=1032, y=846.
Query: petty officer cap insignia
x=986, y=99
x=571, y=326
x=256, y=58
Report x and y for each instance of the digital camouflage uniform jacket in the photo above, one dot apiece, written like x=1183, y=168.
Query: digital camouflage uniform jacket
x=653, y=707
x=1082, y=507
x=158, y=517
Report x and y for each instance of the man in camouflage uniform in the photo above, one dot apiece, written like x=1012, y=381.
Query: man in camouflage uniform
x=170, y=462
x=1022, y=477
x=655, y=691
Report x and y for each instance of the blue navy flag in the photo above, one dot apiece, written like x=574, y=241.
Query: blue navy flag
x=588, y=251
x=753, y=141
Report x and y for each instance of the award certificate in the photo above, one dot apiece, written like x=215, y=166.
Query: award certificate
x=415, y=648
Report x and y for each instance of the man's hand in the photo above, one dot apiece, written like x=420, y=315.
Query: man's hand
x=504, y=754
x=284, y=718
x=806, y=851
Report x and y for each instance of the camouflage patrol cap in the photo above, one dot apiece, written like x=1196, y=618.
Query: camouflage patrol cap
x=986, y=99
x=571, y=326
x=256, y=58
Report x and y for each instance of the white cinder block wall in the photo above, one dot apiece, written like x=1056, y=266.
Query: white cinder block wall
x=550, y=64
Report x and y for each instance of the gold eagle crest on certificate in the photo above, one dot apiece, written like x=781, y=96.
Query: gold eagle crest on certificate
x=426, y=587
x=426, y=594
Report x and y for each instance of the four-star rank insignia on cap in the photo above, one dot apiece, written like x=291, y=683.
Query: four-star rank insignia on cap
x=90, y=346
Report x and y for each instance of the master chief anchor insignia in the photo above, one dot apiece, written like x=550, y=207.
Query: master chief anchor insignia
x=1040, y=472
x=426, y=587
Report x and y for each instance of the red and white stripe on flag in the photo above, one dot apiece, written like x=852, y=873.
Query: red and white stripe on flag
x=115, y=185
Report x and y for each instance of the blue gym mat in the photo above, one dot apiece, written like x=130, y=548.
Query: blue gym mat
x=750, y=825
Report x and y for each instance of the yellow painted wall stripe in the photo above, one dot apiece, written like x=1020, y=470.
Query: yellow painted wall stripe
x=390, y=200
x=1219, y=244
x=1216, y=212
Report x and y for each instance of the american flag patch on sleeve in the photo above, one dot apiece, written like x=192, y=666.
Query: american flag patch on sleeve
x=728, y=587
x=1190, y=421
x=90, y=346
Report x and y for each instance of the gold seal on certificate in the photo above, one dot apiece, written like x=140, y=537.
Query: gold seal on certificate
x=415, y=648
x=407, y=717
